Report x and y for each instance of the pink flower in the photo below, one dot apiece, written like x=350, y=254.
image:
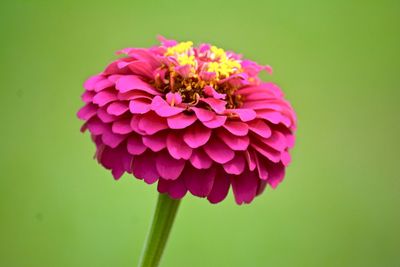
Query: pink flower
x=194, y=119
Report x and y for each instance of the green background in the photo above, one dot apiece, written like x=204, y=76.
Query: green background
x=338, y=63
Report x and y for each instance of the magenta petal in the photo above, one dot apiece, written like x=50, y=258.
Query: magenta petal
x=199, y=182
x=236, y=165
x=177, y=148
x=276, y=174
x=115, y=160
x=218, y=151
x=87, y=96
x=104, y=97
x=97, y=127
x=251, y=159
x=244, y=187
x=285, y=158
x=141, y=68
x=234, y=142
x=266, y=151
x=261, y=167
x=150, y=123
x=103, y=84
x=168, y=167
x=200, y=160
x=144, y=167
x=135, y=145
x=104, y=116
x=271, y=116
x=181, y=121
x=237, y=128
x=90, y=83
x=139, y=106
x=163, y=109
x=174, y=188
x=87, y=112
x=260, y=127
x=216, y=104
x=173, y=98
x=132, y=82
x=196, y=135
x=216, y=122
x=117, y=108
x=220, y=188
x=244, y=114
x=277, y=141
x=111, y=139
x=122, y=126
x=156, y=142
x=203, y=114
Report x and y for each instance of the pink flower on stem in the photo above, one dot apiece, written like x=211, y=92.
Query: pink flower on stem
x=191, y=119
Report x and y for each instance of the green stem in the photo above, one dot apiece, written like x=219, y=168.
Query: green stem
x=161, y=225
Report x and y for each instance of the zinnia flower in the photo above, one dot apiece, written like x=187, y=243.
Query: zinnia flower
x=195, y=119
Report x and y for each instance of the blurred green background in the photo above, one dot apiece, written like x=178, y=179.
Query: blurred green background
x=338, y=63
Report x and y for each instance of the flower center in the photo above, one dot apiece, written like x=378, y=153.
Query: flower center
x=190, y=70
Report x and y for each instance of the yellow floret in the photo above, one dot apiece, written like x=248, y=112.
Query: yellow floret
x=186, y=60
x=180, y=48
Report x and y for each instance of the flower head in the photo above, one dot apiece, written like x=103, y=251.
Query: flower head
x=195, y=119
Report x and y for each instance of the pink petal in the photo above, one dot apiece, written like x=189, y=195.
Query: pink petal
x=260, y=127
x=111, y=139
x=87, y=96
x=87, y=112
x=220, y=188
x=90, y=83
x=141, y=68
x=277, y=141
x=216, y=122
x=234, y=142
x=155, y=142
x=200, y=160
x=199, y=182
x=266, y=151
x=210, y=91
x=144, y=167
x=271, y=116
x=104, y=97
x=135, y=145
x=181, y=121
x=244, y=114
x=244, y=187
x=139, y=106
x=251, y=159
x=168, y=167
x=122, y=126
x=117, y=108
x=236, y=165
x=237, y=128
x=104, y=116
x=177, y=148
x=276, y=174
x=196, y=135
x=150, y=123
x=132, y=82
x=174, y=188
x=173, y=98
x=162, y=108
x=218, y=151
x=216, y=104
x=103, y=84
x=261, y=167
x=97, y=127
x=203, y=114
x=285, y=158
